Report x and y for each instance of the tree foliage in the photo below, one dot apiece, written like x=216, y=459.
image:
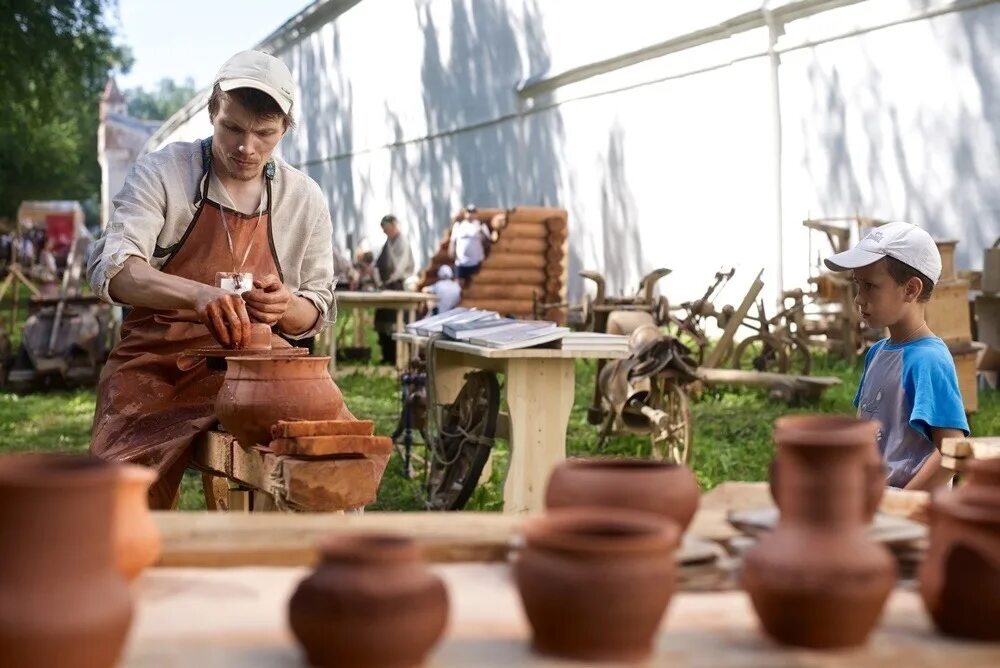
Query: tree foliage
x=160, y=103
x=55, y=58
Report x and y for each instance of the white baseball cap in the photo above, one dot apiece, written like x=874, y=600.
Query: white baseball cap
x=905, y=242
x=445, y=273
x=256, y=69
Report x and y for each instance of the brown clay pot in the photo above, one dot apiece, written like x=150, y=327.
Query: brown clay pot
x=259, y=391
x=595, y=583
x=62, y=603
x=137, y=540
x=816, y=580
x=670, y=490
x=960, y=575
x=370, y=603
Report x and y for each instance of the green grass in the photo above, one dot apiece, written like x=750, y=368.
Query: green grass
x=732, y=430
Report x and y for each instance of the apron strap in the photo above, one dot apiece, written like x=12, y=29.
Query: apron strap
x=206, y=166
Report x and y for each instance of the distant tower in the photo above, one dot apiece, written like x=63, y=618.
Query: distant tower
x=120, y=139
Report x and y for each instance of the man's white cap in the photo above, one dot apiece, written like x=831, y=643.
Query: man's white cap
x=905, y=242
x=255, y=69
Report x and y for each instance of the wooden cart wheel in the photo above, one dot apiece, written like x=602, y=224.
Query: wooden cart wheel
x=673, y=444
x=458, y=453
x=799, y=357
x=761, y=352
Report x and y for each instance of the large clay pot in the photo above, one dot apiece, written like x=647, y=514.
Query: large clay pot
x=259, y=391
x=137, y=540
x=666, y=489
x=816, y=580
x=596, y=583
x=370, y=603
x=62, y=603
x=960, y=575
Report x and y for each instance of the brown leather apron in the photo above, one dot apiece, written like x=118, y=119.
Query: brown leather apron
x=149, y=411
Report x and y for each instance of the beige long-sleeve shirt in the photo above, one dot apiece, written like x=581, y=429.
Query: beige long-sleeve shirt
x=157, y=203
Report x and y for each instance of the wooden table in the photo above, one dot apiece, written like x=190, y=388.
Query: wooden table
x=397, y=300
x=540, y=390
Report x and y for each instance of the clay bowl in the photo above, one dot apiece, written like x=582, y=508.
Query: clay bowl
x=260, y=390
x=137, y=540
x=370, y=603
x=595, y=583
x=667, y=489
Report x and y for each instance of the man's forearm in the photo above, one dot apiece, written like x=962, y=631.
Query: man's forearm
x=300, y=317
x=138, y=284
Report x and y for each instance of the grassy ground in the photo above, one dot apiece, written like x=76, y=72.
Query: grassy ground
x=732, y=433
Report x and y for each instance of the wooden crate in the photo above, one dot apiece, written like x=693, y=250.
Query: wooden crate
x=988, y=319
x=991, y=270
x=947, y=251
x=965, y=365
x=948, y=312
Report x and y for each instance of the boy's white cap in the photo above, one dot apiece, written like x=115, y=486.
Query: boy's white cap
x=445, y=273
x=256, y=69
x=905, y=242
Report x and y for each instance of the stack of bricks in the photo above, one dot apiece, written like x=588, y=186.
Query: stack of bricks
x=527, y=263
x=949, y=317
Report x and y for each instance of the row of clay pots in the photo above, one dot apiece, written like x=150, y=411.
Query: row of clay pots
x=73, y=531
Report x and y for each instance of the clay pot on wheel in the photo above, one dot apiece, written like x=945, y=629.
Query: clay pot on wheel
x=816, y=580
x=596, y=583
x=666, y=489
x=370, y=603
x=960, y=575
x=260, y=337
x=63, y=603
x=259, y=391
x=137, y=540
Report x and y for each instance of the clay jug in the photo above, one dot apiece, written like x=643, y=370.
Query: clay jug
x=62, y=602
x=595, y=583
x=960, y=575
x=370, y=603
x=663, y=488
x=259, y=391
x=816, y=580
x=137, y=540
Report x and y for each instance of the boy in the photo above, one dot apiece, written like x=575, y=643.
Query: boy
x=909, y=382
x=446, y=289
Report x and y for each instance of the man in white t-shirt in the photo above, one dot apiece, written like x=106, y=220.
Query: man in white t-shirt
x=469, y=240
x=446, y=289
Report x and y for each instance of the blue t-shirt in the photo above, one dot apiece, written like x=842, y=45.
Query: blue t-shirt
x=909, y=388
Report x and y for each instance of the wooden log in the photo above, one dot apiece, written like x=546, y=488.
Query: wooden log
x=297, y=428
x=537, y=215
x=514, y=261
x=524, y=231
x=491, y=275
x=494, y=291
x=319, y=446
x=555, y=255
x=787, y=386
x=517, y=307
x=521, y=245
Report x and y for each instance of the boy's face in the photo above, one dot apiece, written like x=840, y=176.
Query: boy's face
x=881, y=301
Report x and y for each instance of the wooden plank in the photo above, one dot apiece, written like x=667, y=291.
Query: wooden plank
x=212, y=618
x=977, y=447
x=339, y=444
x=720, y=353
x=300, y=428
x=520, y=353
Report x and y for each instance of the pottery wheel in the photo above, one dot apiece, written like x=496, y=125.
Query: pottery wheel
x=216, y=351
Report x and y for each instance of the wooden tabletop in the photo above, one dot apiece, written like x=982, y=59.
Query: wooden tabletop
x=213, y=618
x=387, y=298
x=517, y=353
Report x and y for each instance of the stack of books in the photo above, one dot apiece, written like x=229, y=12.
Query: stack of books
x=611, y=343
x=518, y=334
x=434, y=324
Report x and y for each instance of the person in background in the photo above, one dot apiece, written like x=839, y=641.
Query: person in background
x=394, y=264
x=470, y=237
x=446, y=289
x=909, y=384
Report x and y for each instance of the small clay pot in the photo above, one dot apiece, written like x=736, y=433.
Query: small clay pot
x=63, y=603
x=370, y=603
x=595, y=583
x=137, y=540
x=960, y=575
x=666, y=489
x=816, y=580
x=259, y=391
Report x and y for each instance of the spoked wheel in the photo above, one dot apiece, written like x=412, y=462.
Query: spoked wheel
x=799, y=357
x=674, y=442
x=761, y=353
x=460, y=450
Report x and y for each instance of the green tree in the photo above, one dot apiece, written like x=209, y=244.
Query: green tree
x=161, y=103
x=55, y=58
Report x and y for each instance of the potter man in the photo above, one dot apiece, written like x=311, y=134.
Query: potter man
x=205, y=238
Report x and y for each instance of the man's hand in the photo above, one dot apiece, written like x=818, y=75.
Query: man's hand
x=225, y=315
x=268, y=301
